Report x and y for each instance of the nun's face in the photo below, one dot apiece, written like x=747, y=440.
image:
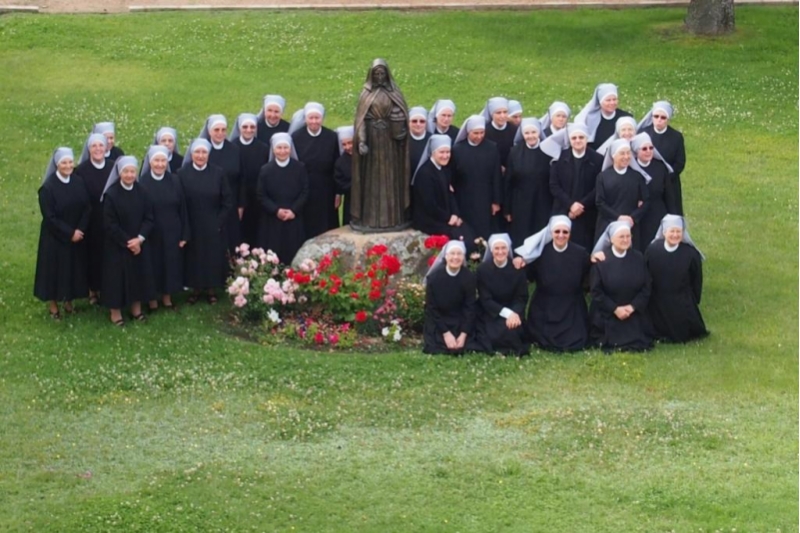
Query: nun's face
x=559, y=120
x=444, y=119
x=673, y=236
x=200, y=156
x=627, y=131
x=127, y=175
x=645, y=153
x=218, y=132
x=531, y=136
x=417, y=125
x=158, y=164
x=454, y=258
x=247, y=131
x=169, y=142
x=500, y=117
x=65, y=166
x=110, y=138
x=313, y=122
x=622, y=158
x=515, y=119
x=97, y=151
x=577, y=141
x=621, y=240
x=476, y=136
x=660, y=119
x=273, y=113
x=500, y=252
x=609, y=104
x=442, y=156
x=379, y=76
x=347, y=146
x=282, y=152
x=561, y=236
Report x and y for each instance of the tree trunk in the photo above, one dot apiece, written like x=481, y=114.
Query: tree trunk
x=710, y=17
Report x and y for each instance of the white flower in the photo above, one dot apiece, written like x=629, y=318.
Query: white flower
x=385, y=332
x=274, y=316
x=397, y=336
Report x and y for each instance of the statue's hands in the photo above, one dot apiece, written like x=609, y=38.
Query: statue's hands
x=363, y=149
x=400, y=135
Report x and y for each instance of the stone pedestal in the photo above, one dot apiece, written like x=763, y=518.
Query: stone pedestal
x=408, y=245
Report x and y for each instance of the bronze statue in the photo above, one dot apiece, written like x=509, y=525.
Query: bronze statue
x=380, y=193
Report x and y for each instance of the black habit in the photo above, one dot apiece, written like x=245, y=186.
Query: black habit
x=660, y=201
x=478, y=183
x=253, y=156
x=415, y=150
x=343, y=178
x=171, y=227
x=616, y=282
x=61, y=263
x=127, y=278
x=557, y=316
x=282, y=188
x=229, y=160
x=208, y=202
x=115, y=153
x=175, y=163
x=264, y=131
x=528, y=197
x=95, y=180
x=451, y=132
x=607, y=128
x=499, y=288
x=319, y=154
x=671, y=147
x=573, y=179
x=674, y=306
x=450, y=305
x=503, y=140
x=620, y=194
x=434, y=204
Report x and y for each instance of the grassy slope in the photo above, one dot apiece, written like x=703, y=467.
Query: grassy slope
x=184, y=428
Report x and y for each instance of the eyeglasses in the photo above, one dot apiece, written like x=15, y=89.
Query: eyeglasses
x=247, y=127
x=646, y=149
x=560, y=232
x=417, y=121
x=663, y=117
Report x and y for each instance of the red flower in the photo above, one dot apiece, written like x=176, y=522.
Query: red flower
x=319, y=338
x=336, y=280
x=376, y=284
x=354, y=295
x=334, y=338
x=337, y=253
x=436, y=241
x=375, y=294
x=361, y=316
x=378, y=249
x=371, y=274
x=358, y=276
x=301, y=278
x=322, y=283
x=431, y=259
x=334, y=290
x=325, y=263
x=390, y=264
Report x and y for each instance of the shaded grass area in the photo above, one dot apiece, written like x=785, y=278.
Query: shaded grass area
x=176, y=426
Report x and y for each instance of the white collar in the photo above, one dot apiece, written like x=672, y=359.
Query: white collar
x=100, y=166
x=617, y=254
x=620, y=172
x=246, y=143
x=271, y=125
x=498, y=128
x=61, y=178
x=532, y=147
x=218, y=146
x=500, y=266
x=437, y=165
x=471, y=143
x=155, y=176
x=417, y=138
x=284, y=163
x=576, y=156
x=451, y=274
x=641, y=164
x=199, y=168
x=440, y=132
x=560, y=250
x=314, y=134
x=609, y=117
x=553, y=129
x=669, y=248
x=660, y=132
x=169, y=156
x=126, y=187
x=108, y=154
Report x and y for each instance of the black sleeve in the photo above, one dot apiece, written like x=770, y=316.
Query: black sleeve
x=468, y=309
x=599, y=296
x=696, y=276
x=59, y=228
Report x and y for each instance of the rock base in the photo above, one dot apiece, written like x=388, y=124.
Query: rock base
x=408, y=245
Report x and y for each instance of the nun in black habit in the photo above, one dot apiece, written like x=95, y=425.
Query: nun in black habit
x=620, y=289
x=168, y=137
x=108, y=129
x=343, y=170
x=555, y=119
x=61, y=258
x=225, y=155
x=450, y=304
x=529, y=202
x=440, y=119
x=436, y=210
x=498, y=129
x=476, y=176
x=621, y=192
x=669, y=143
x=318, y=149
x=502, y=295
x=171, y=225
x=94, y=168
x=418, y=134
x=600, y=114
x=659, y=187
x=253, y=155
x=573, y=177
x=282, y=192
x=128, y=216
x=676, y=267
x=557, y=316
x=270, y=118
x=208, y=202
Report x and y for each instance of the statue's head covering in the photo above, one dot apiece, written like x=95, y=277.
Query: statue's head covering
x=59, y=154
x=389, y=84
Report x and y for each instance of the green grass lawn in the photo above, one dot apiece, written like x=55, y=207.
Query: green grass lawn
x=177, y=426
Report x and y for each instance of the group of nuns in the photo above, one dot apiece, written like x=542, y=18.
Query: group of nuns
x=127, y=234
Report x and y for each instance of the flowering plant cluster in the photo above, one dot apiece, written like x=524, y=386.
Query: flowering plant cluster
x=436, y=243
x=393, y=332
x=320, y=332
x=259, y=289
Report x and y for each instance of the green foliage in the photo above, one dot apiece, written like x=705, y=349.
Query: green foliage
x=175, y=425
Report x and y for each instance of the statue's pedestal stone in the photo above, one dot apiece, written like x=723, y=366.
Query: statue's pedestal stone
x=408, y=245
